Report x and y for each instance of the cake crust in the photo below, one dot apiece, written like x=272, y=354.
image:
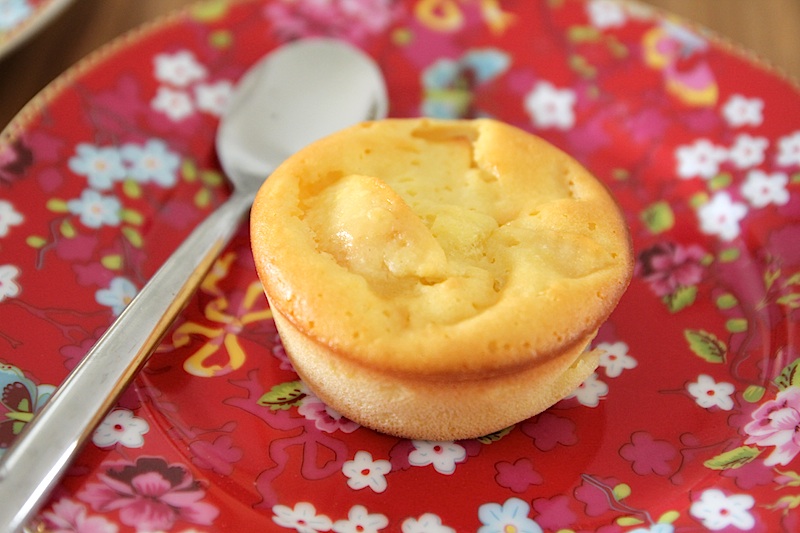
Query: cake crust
x=430, y=409
x=439, y=250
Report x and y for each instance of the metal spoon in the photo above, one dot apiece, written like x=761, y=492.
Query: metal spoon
x=295, y=95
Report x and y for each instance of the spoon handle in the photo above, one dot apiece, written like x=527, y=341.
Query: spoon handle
x=35, y=462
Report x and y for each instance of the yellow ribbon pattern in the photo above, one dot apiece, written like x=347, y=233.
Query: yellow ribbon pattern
x=221, y=353
x=448, y=15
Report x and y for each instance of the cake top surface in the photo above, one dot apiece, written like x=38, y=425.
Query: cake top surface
x=440, y=247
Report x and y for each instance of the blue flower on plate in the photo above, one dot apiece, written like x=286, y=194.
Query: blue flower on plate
x=20, y=399
x=153, y=162
x=450, y=84
x=96, y=210
x=118, y=295
x=102, y=166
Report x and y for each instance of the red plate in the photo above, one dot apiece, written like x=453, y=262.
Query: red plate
x=692, y=420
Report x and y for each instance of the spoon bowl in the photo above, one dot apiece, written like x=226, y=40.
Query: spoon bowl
x=297, y=94
x=268, y=119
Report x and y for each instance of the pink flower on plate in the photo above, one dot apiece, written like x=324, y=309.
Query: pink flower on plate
x=666, y=266
x=554, y=513
x=67, y=516
x=548, y=431
x=775, y=423
x=218, y=456
x=15, y=158
x=517, y=476
x=752, y=474
x=594, y=494
x=647, y=455
x=77, y=248
x=150, y=494
x=325, y=418
x=348, y=19
x=279, y=352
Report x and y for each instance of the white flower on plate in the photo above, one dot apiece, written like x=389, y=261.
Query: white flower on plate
x=550, y=107
x=213, y=97
x=511, y=516
x=442, y=455
x=717, y=511
x=654, y=528
x=721, y=216
x=360, y=521
x=427, y=523
x=741, y=111
x=762, y=189
x=118, y=295
x=747, y=151
x=102, y=165
x=700, y=159
x=95, y=210
x=120, y=426
x=708, y=393
x=8, y=217
x=303, y=518
x=614, y=358
x=179, y=69
x=606, y=13
x=590, y=391
x=9, y=288
x=176, y=104
x=153, y=162
x=363, y=471
x=789, y=150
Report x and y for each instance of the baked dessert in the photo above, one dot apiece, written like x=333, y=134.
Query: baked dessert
x=437, y=279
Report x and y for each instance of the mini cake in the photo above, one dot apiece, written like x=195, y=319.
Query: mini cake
x=436, y=279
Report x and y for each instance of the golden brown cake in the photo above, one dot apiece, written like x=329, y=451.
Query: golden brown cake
x=439, y=279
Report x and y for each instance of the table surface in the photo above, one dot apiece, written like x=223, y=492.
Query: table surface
x=768, y=28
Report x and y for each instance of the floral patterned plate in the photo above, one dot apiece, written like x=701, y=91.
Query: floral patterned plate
x=21, y=19
x=691, y=421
